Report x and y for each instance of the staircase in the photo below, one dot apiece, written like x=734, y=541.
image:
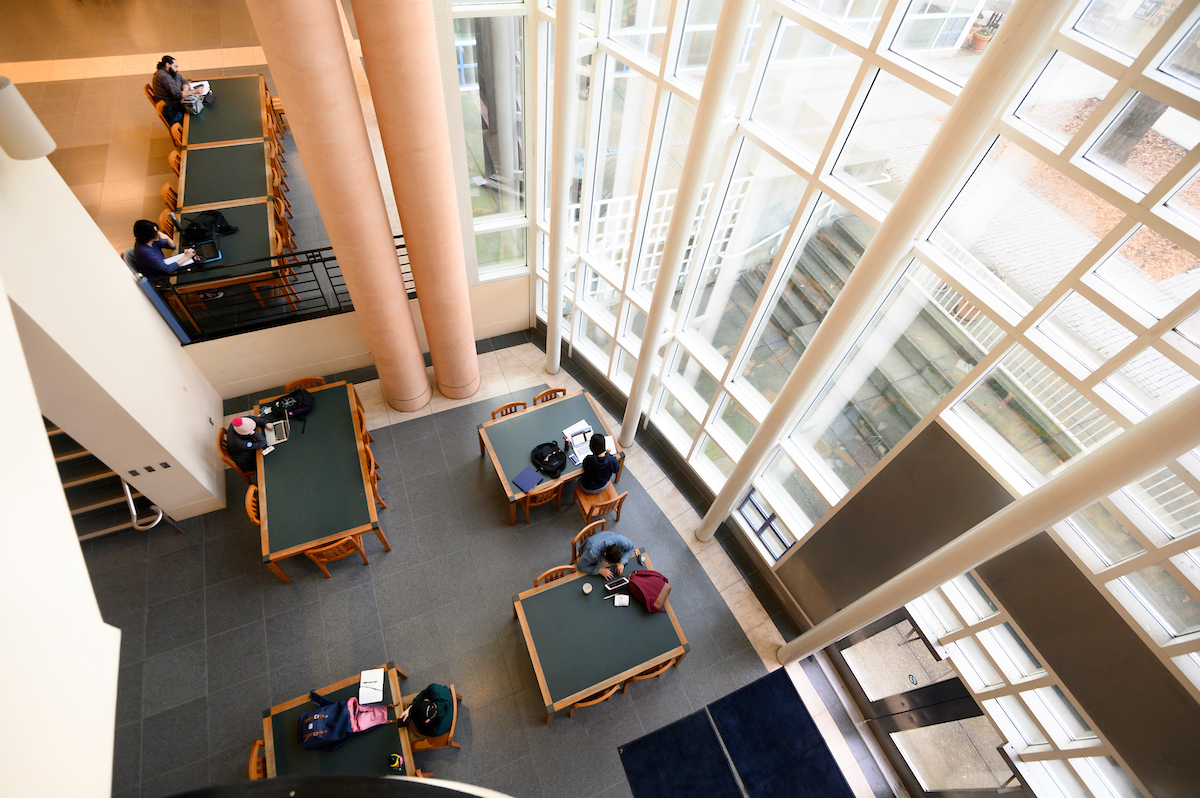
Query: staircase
x=94, y=491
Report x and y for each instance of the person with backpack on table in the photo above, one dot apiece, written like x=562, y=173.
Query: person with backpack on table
x=431, y=712
x=244, y=439
x=605, y=553
x=599, y=467
x=170, y=87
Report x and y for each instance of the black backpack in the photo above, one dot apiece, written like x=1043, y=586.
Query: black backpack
x=549, y=458
x=207, y=225
x=297, y=404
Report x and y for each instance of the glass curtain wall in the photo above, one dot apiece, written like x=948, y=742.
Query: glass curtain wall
x=1049, y=304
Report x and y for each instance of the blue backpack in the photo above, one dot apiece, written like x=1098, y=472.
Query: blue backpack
x=327, y=726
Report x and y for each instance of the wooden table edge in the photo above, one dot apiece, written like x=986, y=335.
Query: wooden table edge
x=533, y=657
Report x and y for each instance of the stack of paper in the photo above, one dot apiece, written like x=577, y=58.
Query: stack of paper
x=370, y=686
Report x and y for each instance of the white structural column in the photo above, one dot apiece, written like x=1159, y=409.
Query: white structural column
x=1019, y=42
x=1144, y=447
x=562, y=159
x=731, y=29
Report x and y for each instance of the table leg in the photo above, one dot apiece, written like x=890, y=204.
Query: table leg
x=549, y=717
x=383, y=539
x=274, y=566
x=512, y=513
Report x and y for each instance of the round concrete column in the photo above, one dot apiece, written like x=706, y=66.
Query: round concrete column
x=400, y=53
x=306, y=50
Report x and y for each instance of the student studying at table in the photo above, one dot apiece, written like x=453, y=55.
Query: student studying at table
x=599, y=467
x=604, y=553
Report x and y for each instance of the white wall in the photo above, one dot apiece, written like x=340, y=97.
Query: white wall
x=243, y=364
x=104, y=364
x=52, y=631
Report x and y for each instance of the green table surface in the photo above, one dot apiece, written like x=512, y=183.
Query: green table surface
x=514, y=437
x=236, y=112
x=365, y=754
x=252, y=242
x=224, y=174
x=583, y=640
x=313, y=482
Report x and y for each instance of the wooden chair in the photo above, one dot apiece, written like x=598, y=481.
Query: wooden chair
x=278, y=180
x=373, y=471
x=252, y=504
x=280, y=285
x=150, y=94
x=543, y=494
x=557, y=572
x=278, y=112
x=160, y=108
x=594, y=699
x=595, y=505
x=336, y=551
x=282, y=208
x=176, y=132
x=584, y=534
x=174, y=158
x=442, y=740
x=508, y=409
x=657, y=670
x=169, y=196
x=367, y=437
x=258, y=764
x=546, y=396
x=164, y=222
x=307, y=383
x=223, y=448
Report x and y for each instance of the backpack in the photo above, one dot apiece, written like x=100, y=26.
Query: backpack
x=296, y=405
x=207, y=225
x=651, y=588
x=327, y=726
x=549, y=458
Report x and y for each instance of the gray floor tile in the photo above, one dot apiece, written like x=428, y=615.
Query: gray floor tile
x=236, y=656
x=233, y=603
x=421, y=457
x=133, y=635
x=129, y=694
x=174, y=623
x=121, y=591
x=299, y=677
x=173, y=574
x=228, y=767
x=127, y=759
x=294, y=634
x=228, y=719
x=173, y=739
x=174, y=678
x=517, y=778
x=189, y=777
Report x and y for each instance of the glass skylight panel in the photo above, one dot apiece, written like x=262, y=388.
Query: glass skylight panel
x=1186, y=201
x=833, y=242
x=804, y=88
x=1170, y=502
x=909, y=357
x=1104, y=534
x=808, y=505
x=1083, y=331
x=969, y=598
x=1167, y=600
x=1016, y=714
x=1010, y=652
x=938, y=36
x=888, y=139
x=1144, y=142
x=975, y=666
x=1034, y=411
x=1018, y=226
x=1150, y=380
x=942, y=613
x=699, y=29
x=1152, y=272
x=1124, y=27
x=1054, y=709
x=859, y=16
x=1182, y=62
x=1104, y=777
x=1063, y=97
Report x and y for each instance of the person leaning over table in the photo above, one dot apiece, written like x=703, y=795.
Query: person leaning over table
x=148, y=244
x=599, y=467
x=243, y=440
x=604, y=553
x=431, y=712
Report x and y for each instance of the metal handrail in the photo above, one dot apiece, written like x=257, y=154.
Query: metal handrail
x=133, y=515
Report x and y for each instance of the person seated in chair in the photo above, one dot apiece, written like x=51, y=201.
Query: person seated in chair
x=605, y=553
x=148, y=245
x=599, y=467
x=170, y=87
x=431, y=712
x=243, y=440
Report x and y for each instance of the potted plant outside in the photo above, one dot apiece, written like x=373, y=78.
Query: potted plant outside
x=979, y=39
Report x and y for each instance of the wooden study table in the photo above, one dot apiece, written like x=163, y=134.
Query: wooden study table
x=238, y=113
x=313, y=489
x=580, y=644
x=366, y=754
x=223, y=173
x=509, y=439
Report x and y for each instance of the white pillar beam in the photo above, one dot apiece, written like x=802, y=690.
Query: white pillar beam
x=562, y=159
x=1020, y=41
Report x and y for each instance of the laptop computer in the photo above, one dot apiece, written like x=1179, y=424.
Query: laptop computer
x=207, y=251
x=279, y=432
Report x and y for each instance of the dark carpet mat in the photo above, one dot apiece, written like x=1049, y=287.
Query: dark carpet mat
x=682, y=760
x=774, y=743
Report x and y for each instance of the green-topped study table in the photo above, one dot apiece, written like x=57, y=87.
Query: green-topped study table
x=222, y=174
x=237, y=113
x=581, y=644
x=509, y=439
x=365, y=754
x=313, y=489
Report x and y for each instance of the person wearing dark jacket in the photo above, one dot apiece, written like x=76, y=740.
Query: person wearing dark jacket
x=243, y=440
x=170, y=87
x=431, y=712
x=599, y=467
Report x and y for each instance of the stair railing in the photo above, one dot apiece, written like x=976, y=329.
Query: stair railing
x=133, y=515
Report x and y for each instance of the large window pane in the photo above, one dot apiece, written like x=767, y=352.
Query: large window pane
x=1174, y=506
x=908, y=359
x=734, y=418
x=581, y=131
x=626, y=119
x=890, y=135
x=491, y=85
x=642, y=25
x=1152, y=271
x=1084, y=332
x=1036, y=413
x=1144, y=142
x=594, y=342
x=699, y=28
x=806, y=505
x=934, y=34
x=1150, y=380
x=501, y=252
x=805, y=85
x=755, y=215
x=1019, y=226
x=832, y=244
x=860, y=16
x=680, y=426
x=1104, y=534
x=1166, y=599
x=1064, y=97
x=1125, y=27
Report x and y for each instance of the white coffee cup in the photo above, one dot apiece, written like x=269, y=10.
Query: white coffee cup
x=587, y=588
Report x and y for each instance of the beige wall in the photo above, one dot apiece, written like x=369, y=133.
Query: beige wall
x=104, y=364
x=243, y=364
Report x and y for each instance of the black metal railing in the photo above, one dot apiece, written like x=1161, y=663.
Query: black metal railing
x=256, y=295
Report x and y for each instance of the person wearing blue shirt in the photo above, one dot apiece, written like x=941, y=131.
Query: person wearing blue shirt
x=599, y=467
x=605, y=553
x=149, y=242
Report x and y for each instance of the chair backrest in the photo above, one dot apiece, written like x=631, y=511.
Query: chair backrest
x=258, y=764
x=546, y=396
x=584, y=534
x=335, y=551
x=223, y=448
x=605, y=508
x=169, y=196
x=557, y=572
x=174, y=158
x=149, y=94
x=504, y=410
x=594, y=699
x=164, y=222
x=544, y=494
x=160, y=108
x=252, y=504
x=176, y=133
x=127, y=256
x=304, y=382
